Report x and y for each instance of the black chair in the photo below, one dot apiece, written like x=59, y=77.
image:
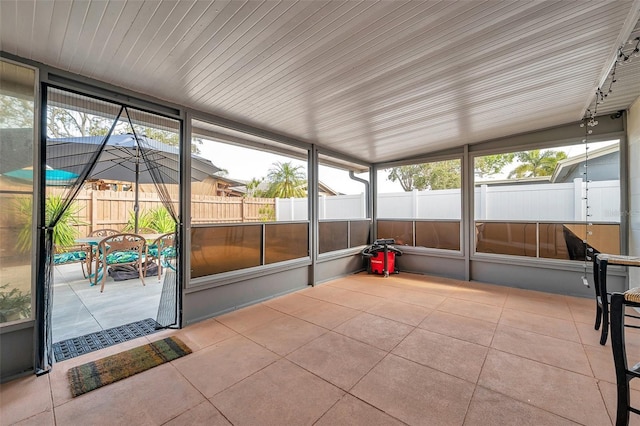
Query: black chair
x=624, y=373
x=603, y=298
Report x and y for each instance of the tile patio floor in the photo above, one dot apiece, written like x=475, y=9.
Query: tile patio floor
x=361, y=350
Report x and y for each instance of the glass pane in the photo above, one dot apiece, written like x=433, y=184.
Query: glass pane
x=401, y=231
x=359, y=232
x=556, y=242
x=518, y=239
x=248, y=185
x=566, y=241
x=552, y=185
x=333, y=236
x=440, y=235
x=225, y=248
x=16, y=190
x=421, y=191
x=429, y=191
x=286, y=241
x=341, y=197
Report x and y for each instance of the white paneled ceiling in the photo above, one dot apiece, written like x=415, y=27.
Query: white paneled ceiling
x=377, y=80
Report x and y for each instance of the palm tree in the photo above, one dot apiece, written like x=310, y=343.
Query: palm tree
x=286, y=181
x=536, y=163
x=253, y=189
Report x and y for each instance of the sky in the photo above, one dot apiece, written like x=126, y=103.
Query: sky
x=245, y=164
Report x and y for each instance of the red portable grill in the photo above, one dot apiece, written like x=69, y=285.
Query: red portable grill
x=381, y=257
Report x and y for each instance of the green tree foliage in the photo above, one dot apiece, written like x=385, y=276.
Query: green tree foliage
x=15, y=113
x=286, y=181
x=436, y=175
x=168, y=137
x=253, y=188
x=63, y=123
x=492, y=164
x=536, y=163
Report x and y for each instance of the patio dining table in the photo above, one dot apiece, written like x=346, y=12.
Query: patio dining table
x=94, y=241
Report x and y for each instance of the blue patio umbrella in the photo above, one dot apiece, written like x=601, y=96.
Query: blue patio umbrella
x=53, y=177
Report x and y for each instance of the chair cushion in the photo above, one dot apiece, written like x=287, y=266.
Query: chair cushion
x=169, y=251
x=122, y=257
x=69, y=257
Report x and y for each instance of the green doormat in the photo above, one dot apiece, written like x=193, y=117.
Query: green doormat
x=92, y=375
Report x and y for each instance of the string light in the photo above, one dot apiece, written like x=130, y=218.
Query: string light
x=588, y=122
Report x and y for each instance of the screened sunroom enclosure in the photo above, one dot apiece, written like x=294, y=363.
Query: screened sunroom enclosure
x=275, y=243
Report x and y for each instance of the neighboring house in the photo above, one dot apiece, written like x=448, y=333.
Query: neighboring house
x=604, y=164
x=220, y=186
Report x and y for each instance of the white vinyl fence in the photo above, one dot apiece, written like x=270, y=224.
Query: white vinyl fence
x=329, y=207
x=537, y=202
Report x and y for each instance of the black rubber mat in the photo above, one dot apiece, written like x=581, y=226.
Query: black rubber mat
x=77, y=346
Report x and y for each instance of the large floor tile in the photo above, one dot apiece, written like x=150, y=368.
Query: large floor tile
x=350, y=411
x=284, y=335
x=492, y=408
x=421, y=298
x=415, y=394
x=291, y=303
x=343, y=297
x=610, y=396
x=589, y=335
x=337, y=359
x=424, y=283
x=567, y=394
x=202, y=414
x=376, y=331
x=460, y=327
x=482, y=293
x=247, y=318
x=352, y=282
x=555, y=307
x=205, y=333
x=327, y=315
x=24, y=398
x=376, y=286
x=150, y=398
x=215, y=368
x=549, y=350
x=46, y=418
x=447, y=354
x=583, y=311
x=479, y=311
x=400, y=311
x=549, y=326
x=281, y=394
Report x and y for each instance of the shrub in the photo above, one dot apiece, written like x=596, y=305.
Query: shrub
x=64, y=232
